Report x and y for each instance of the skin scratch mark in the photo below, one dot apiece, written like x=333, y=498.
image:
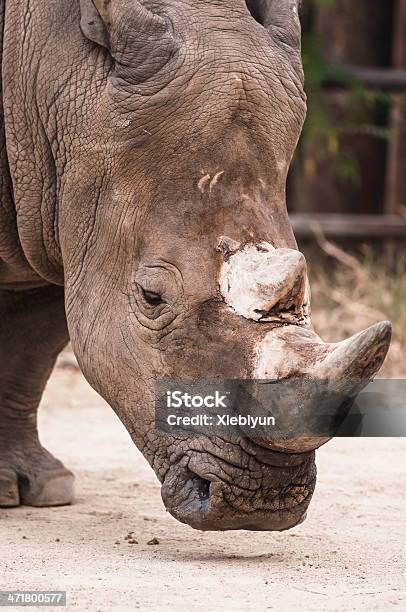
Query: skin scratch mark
x=215, y=180
x=202, y=183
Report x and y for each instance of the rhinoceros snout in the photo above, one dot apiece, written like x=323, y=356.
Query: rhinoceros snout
x=211, y=503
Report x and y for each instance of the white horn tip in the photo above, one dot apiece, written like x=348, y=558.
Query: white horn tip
x=379, y=334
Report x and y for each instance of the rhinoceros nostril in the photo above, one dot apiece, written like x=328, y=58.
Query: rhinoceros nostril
x=186, y=495
x=201, y=488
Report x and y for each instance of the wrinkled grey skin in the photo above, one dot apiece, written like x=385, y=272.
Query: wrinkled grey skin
x=111, y=130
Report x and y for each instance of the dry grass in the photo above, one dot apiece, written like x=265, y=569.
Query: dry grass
x=349, y=294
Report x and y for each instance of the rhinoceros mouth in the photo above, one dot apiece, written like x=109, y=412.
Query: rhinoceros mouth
x=212, y=500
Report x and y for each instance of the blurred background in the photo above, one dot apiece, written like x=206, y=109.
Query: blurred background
x=347, y=185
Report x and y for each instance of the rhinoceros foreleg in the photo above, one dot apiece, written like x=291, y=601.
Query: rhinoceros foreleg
x=32, y=333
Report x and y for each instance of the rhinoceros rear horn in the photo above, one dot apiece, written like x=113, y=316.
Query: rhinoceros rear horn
x=280, y=17
x=139, y=40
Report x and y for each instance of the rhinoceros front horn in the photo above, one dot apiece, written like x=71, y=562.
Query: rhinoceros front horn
x=307, y=385
x=326, y=379
x=357, y=359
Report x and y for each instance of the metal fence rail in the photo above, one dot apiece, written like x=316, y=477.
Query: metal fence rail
x=391, y=80
x=347, y=226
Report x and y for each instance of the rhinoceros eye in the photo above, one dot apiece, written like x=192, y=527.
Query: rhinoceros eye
x=154, y=299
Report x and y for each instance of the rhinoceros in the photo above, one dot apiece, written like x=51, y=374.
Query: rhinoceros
x=145, y=146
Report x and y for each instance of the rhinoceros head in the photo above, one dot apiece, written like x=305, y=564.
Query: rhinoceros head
x=179, y=258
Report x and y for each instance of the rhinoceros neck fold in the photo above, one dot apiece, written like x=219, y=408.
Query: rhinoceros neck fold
x=37, y=110
x=16, y=272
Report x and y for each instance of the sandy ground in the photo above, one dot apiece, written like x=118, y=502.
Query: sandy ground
x=350, y=554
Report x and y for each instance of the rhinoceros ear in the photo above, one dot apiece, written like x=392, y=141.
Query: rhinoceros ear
x=128, y=30
x=92, y=24
x=280, y=17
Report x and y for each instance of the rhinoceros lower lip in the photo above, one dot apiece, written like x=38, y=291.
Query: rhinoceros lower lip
x=198, y=502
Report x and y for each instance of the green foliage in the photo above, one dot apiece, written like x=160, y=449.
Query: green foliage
x=324, y=3
x=325, y=132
